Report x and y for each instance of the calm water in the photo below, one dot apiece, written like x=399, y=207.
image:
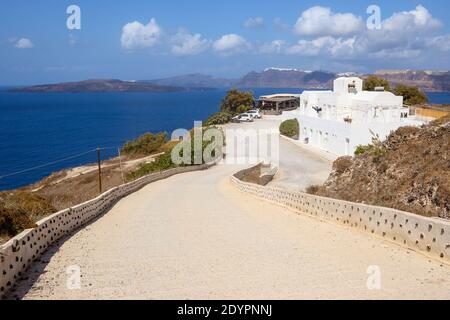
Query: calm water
x=39, y=128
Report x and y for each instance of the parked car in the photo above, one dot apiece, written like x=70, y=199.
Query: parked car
x=242, y=118
x=255, y=113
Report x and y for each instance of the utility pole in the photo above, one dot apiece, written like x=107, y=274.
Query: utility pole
x=121, y=168
x=99, y=171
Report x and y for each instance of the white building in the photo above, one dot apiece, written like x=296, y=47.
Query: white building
x=338, y=121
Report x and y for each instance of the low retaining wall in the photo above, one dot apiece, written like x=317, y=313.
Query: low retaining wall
x=18, y=253
x=430, y=236
x=261, y=174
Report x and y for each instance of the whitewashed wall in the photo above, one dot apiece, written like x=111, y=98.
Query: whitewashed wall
x=18, y=253
x=426, y=235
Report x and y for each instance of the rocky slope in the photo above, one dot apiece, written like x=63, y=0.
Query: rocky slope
x=410, y=171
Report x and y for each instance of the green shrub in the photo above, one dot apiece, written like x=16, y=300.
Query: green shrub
x=363, y=149
x=218, y=118
x=377, y=150
x=411, y=95
x=236, y=98
x=145, y=145
x=163, y=162
x=373, y=81
x=243, y=109
x=290, y=128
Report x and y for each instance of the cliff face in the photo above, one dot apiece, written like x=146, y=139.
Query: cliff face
x=276, y=78
x=410, y=171
x=425, y=80
x=194, y=81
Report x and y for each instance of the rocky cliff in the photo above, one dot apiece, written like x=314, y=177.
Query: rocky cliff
x=425, y=80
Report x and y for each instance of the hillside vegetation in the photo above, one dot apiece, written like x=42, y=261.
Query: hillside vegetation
x=21, y=210
x=412, y=95
x=410, y=171
x=290, y=128
x=235, y=102
x=144, y=145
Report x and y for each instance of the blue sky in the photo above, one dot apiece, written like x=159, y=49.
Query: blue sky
x=151, y=39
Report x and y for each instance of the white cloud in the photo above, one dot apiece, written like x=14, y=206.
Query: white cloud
x=321, y=21
x=396, y=54
x=273, y=47
x=441, y=43
x=419, y=19
x=230, y=44
x=404, y=35
x=336, y=47
x=257, y=22
x=184, y=43
x=136, y=35
x=402, y=30
x=24, y=43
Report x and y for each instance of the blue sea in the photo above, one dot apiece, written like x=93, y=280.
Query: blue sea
x=36, y=129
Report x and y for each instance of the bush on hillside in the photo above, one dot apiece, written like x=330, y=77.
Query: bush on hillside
x=371, y=82
x=411, y=95
x=361, y=149
x=290, y=128
x=219, y=118
x=145, y=145
x=243, y=109
x=13, y=221
x=20, y=210
x=235, y=99
x=162, y=163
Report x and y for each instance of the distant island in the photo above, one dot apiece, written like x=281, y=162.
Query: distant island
x=112, y=85
x=430, y=81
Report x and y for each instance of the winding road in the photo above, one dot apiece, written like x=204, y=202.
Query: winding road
x=194, y=236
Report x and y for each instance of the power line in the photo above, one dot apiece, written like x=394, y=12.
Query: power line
x=47, y=164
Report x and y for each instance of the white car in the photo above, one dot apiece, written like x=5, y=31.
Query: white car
x=255, y=113
x=243, y=118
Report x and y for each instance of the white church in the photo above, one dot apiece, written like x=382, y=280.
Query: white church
x=338, y=121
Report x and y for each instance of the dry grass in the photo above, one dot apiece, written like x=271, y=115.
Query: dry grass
x=80, y=189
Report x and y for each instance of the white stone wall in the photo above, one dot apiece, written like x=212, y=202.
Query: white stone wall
x=18, y=253
x=426, y=235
